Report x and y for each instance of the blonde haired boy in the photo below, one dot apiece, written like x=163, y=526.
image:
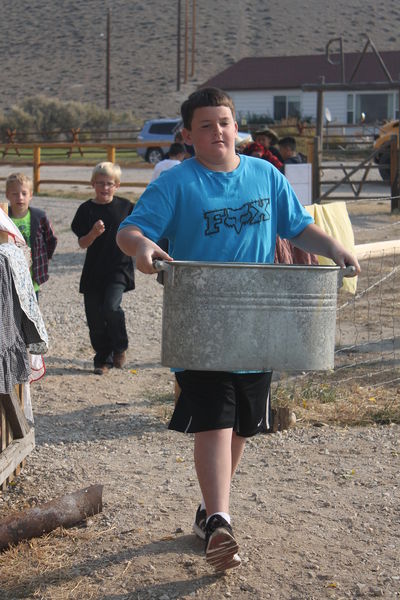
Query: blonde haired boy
x=107, y=272
x=33, y=224
x=108, y=169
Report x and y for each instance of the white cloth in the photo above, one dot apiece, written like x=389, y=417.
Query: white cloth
x=164, y=165
x=35, y=333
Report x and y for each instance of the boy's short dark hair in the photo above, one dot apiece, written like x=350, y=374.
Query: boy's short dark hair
x=288, y=142
x=202, y=98
x=176, y=149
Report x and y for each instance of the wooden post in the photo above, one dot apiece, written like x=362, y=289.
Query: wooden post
x=4, y=234
x=310, y=151
x=316, y=181
x=111, y=153
x=36, y=169
x=3, y=442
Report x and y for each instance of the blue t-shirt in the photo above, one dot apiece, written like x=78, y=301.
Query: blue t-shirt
x=218, y=216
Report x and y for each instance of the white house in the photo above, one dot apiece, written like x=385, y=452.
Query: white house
x=277, y=86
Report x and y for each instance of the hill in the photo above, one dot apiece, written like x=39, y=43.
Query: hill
x=59, y=49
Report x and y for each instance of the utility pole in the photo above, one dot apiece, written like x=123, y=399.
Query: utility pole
x=178, y=49
x=193, y=34
x=186, y=40
x=108, y=53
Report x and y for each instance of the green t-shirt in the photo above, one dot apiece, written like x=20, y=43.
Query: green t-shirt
x=24, y=225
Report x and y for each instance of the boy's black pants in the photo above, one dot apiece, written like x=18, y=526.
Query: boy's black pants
x=106, y=322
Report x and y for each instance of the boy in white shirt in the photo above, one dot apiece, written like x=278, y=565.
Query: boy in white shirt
x=176, y=154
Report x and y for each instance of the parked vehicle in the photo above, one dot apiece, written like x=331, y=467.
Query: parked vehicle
x=158, y=131
x=382, y=158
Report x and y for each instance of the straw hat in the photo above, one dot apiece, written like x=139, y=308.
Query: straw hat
x=264, y=130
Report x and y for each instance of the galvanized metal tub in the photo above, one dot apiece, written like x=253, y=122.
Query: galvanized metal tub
x=245, y=316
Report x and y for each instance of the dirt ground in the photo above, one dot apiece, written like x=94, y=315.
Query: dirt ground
x=315, y=509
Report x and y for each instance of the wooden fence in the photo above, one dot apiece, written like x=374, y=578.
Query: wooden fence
x=17, y=436
x=108, y=150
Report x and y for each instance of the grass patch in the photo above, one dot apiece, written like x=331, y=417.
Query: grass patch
x=163, y=404
x=333, y=403
x=123, y=156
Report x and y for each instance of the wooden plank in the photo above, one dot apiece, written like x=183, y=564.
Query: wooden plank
x=14, y=454
x=3, y=484
x=4, y=234
x=389, y=247
x=15, y=414
x=19, y=390
x=9, y=439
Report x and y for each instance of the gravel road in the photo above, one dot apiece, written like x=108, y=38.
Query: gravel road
x=315, y=510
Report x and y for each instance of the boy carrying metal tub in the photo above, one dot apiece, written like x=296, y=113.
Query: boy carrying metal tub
x=221, y=207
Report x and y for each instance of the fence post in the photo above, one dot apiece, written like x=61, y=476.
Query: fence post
x=316, y=162
x=394, y=174
x=111, y=153
x=36, y=169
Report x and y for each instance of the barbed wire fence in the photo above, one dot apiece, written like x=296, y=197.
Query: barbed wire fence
x=367, y=349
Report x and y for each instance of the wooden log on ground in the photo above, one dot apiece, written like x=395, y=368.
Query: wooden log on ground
x=65, y=511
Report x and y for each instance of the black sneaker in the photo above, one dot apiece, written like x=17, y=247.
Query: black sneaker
x=199, y=525
x=221, y=546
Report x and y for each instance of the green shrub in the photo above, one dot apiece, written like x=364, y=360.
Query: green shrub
x=50, y=119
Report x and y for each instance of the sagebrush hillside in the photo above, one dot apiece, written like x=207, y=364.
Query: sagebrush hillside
x=58, y=48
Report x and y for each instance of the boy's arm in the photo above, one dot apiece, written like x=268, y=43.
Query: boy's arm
x=51, y=240
x=314, y=239
x=87, y=240
x=132, y=242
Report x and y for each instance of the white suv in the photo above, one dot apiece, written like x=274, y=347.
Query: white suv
x=158, y=131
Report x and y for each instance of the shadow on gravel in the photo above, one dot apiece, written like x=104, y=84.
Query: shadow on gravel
x=94, y=423
x=84, y=367
x=72, y=261
x=182, y=546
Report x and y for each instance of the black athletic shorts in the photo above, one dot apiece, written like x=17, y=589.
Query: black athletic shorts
x=220, y=400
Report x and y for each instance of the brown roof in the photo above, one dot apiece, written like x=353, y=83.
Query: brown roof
x=288, y=72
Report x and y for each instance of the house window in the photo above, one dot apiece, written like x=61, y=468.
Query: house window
x=293, y=106
x=376, y=107
x=350, y=109
x=286, y=106
x=279, y=108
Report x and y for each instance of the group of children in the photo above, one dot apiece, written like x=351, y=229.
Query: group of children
x=216, y=206
x=279, y=152
x=107, y=272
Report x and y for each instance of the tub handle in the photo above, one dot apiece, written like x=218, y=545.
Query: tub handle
x=160, y=265
x=348, y=271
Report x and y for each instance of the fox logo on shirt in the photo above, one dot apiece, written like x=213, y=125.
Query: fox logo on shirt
x=250, y=213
